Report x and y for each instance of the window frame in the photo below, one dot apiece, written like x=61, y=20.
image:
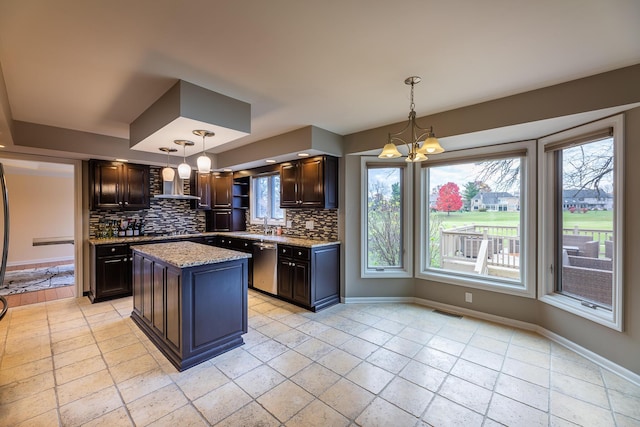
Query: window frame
x=547, y=170
x=254, y=220
x=406, y=271
x=526, y=287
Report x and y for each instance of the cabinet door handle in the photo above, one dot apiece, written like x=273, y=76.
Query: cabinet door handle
x=111, y=261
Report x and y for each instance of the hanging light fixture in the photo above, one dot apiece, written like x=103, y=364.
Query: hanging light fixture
x=184, y=170
x=167, y=172
x=204, y=162
x=418, y=134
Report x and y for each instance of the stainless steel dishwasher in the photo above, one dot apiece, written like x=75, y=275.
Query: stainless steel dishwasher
x=265, y=267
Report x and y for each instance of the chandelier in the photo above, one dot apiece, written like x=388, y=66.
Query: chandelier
x=417, y=153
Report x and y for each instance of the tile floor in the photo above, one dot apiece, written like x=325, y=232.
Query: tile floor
x=26, y=298
x=68, y=362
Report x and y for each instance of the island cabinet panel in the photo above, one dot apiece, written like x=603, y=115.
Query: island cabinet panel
x=173, y=314
x=147, y=290
x=158, y=296
x=217, y=310
x=196, y=312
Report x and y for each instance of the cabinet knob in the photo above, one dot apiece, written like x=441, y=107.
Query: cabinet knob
x=113, y=249
x=299, y=253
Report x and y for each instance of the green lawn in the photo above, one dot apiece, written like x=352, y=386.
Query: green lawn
x=597, y=220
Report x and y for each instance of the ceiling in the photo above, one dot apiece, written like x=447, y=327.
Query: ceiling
x=95, y=66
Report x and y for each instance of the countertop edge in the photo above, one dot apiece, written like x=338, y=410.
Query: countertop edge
x=284, y=240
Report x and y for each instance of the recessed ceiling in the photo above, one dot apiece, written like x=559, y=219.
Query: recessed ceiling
x=338, y=65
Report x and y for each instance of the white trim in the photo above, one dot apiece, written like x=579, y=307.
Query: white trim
x=546, y=234
x=527, y=286
x=407, y=222
x=587, y=354
x=253, y=220
x=40, y=261
x=376, y=300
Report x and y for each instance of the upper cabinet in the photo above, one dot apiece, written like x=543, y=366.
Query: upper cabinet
x=221, y=190
x=201, y=182
x=309, y=183
x=117, y=185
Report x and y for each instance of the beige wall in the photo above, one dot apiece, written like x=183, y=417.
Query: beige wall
x=617, y=88
x=39, y=206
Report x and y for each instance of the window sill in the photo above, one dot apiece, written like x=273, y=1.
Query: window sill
x=386, y=274
x=573, y=306
x=516, y=289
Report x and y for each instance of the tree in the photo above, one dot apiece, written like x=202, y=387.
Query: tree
x=449, y=198
x=469, y=192
x=384, y=231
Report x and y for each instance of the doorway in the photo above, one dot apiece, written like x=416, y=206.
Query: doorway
x=41, y=264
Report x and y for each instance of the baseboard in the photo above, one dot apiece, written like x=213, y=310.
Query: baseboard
x=375, y=300
x=587, y=354
x=37, y=263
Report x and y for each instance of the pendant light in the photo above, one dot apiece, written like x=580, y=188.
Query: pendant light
x=204, y=162
x=418, y=134
x=167, y=172
x=184, y=170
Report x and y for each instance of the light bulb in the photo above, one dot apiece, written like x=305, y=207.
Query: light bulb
x=184, y=171
x=168, y=174
x=204, y=164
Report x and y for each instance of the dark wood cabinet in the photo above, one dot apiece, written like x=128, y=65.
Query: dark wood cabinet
x=201, y=187
x=117, y=185
x=190, y=314
x=293, y=280
x=309, y=183
x=229, y=203
x=221, y=185
x=309, y=277
x=112, y=272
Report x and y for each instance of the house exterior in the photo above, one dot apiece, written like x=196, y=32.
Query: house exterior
x=586, y=199
x=495, y=201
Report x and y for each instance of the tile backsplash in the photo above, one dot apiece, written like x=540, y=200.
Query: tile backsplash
x=164, y=216
x=168, y=216
x=325, y=224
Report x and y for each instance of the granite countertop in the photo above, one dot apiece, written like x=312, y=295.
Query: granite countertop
x=146, y=239
x=188, y=254
x=285, y=240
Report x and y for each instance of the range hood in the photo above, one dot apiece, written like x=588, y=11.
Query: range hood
x=174, y=190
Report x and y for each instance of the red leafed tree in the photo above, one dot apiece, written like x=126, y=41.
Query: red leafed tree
x=449, y=198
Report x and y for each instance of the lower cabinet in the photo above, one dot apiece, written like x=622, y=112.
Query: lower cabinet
x=111, y=272
x=309, y=277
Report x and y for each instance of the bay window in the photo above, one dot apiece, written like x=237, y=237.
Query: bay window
x=581, y=227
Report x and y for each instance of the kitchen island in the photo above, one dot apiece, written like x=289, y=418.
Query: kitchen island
x=190, y=299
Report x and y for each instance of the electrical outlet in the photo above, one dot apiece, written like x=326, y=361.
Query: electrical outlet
x=468, y=297
x=289, y=224
x=309, y=225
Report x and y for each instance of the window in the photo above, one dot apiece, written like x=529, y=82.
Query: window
x=476, y=218
x=385, y=216
x=581, y=228
x=265, y=200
